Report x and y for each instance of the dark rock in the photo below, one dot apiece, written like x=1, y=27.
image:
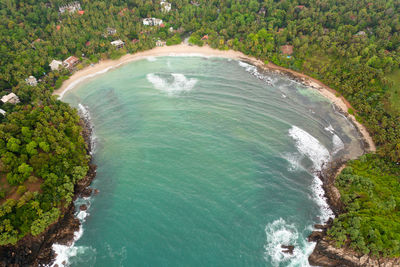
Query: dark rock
x=87, y=192
x=315, y=236
x=320, y=226
x=83, y=207
x=287, y=249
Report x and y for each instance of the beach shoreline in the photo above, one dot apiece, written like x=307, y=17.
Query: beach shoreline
x=183, y=49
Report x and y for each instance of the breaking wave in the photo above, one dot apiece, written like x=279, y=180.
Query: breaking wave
x=65, y=252
x=336, y=141
x=178, y=83
x=280, y=233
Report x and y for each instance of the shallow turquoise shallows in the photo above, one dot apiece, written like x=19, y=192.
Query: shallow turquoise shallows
x=204, y=162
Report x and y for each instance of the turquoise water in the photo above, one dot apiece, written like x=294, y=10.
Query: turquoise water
x=204, y=162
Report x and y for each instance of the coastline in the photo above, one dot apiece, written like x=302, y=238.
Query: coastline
x=38, y=250
x=325, y=253
x=183, y=49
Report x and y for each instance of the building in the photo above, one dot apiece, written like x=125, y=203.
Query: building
x=70, y=7
x=31, y=81
x=55, y=65
x=165, y=6
x=361, y=33
x=135, y=41
x=161, y=43
x=118, y=44
x=287, y=49
x=70, y=62
x=111, y=31
x=195, y=3
x=152, y=22
x=10, y=98
x=2, y=112
x=205, y=37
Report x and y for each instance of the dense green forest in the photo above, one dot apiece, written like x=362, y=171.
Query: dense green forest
x=351, y=45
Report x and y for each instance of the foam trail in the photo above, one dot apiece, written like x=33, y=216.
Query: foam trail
x=280, y=233
x=179, y=84
x=151, y=59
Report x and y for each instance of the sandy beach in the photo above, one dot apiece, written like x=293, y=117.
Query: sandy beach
x=182, y=49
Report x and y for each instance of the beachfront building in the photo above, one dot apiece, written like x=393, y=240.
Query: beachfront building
x=55, y=65
x=70, y=62
x=31, y=81
x=2, y=112
x=165, y=6
x=160, y=43
x=70, y=7
x=10, y=98
x=152, y=22
x=287, y=49
x=118, y=44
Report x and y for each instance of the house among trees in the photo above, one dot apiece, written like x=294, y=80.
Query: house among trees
x=31, y=81
x=2, y=112
x=195, y=3
x=160, y=43
x=165, y=6
x=70, y=62
x=361, y=33
x=287, y=49
x=205, y=37
x=70, y=7
x=55, y=64
x=118, y=44
x=152, y=22
x=111, y=31
x=11, y=98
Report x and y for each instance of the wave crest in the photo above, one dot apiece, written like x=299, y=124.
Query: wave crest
x=309, y=146
x=178, y=84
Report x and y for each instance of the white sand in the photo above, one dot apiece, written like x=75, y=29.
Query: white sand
x=182, y=49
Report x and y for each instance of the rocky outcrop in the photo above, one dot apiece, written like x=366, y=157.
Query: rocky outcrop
x=326, y=254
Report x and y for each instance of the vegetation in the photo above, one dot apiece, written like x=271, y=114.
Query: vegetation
x=351, y=45
x=370, y=191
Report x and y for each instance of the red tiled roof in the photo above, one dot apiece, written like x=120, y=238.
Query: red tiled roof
x=81, y=12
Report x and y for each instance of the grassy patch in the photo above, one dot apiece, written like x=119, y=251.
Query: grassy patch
x=394, y=91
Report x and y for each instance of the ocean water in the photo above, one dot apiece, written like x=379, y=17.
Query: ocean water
x=204, y=162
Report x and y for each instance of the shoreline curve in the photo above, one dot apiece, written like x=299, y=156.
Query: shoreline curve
x=183, y=49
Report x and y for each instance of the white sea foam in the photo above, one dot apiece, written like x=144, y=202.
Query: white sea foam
x=336, y=141
x=254, y=71
x=280, y=233
x=309, y=146
x=318, y=195
x=294, y=160
x=179, y=83
x=65, y=252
